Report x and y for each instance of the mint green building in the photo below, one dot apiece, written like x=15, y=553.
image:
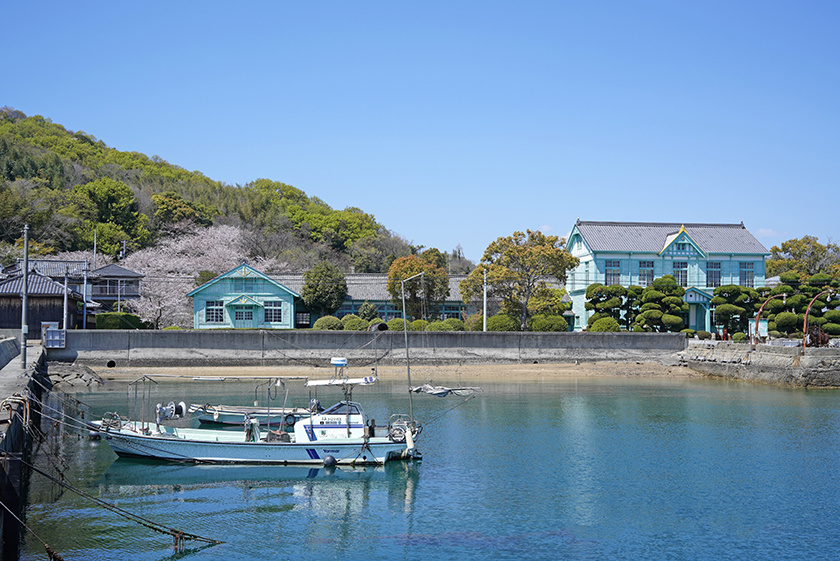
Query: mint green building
x=700, y=256
x=243, y=298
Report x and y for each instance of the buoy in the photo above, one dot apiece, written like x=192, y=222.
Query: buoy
x=329, y=461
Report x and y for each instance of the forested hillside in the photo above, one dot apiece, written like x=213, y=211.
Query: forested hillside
x=67, y=184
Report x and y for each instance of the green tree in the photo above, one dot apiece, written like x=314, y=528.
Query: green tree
x=517, y=266
x=324, y=288
x=109, y=207
x=806, y=256
x=172, y=208
x=662, y=306
x=423, y=294
x=735, y=306
x=368, y=311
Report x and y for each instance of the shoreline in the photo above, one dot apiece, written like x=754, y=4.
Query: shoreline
x=420, y=374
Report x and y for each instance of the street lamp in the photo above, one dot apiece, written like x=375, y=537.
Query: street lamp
x=405, y=334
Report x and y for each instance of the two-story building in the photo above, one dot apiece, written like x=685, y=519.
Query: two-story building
x=701, y=257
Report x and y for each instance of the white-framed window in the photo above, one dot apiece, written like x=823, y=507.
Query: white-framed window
x=712, y=274
x=302, y=319
x=645, y=273
x=214, y=311
x=273, y=311
x=613, y=272
x=747, y=273
x=681, y=272
x=243, y=313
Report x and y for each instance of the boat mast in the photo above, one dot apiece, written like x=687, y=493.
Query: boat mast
x=405, y=333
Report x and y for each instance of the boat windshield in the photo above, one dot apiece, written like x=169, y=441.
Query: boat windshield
x=342, y=409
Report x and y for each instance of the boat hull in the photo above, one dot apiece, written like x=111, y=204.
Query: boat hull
x=377, y=450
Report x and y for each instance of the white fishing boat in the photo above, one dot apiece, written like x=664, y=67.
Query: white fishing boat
x=339, y=435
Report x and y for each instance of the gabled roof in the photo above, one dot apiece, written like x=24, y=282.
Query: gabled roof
x=37, y=285
x=244, y=300
x=115, y=271
x=53, y=268
x=652, y=237
x=242, y=271
x=682, y=235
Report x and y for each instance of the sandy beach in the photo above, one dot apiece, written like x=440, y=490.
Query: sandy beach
x=439, y=374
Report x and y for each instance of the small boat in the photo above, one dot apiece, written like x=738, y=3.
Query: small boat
x=339, y=435
x=235, y=414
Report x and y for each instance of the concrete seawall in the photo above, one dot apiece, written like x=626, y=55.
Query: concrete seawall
x=9, y=349
x=767, y=364
x=266, y=348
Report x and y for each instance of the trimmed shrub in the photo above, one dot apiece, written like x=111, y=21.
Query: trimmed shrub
x=455, y=324
x=118, y=320
x=439, y=325
x=689, y=333
x=774, y=334
x=172, y=327
x=605, y=324
x=543, y=322
x=833, y=316
x=328, y=323
x=671, y=321
x=502, y=322
x=786, y=321
x=739, y=337
x=355, y=324
x=832, y=328
x=418, y=325
x=704, y=335
x=348, y=317
x=396, y=324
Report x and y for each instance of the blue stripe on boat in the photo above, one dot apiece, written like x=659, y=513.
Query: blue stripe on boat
x=313, y=455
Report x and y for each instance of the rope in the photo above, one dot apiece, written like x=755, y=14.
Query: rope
x=442, y=413
x=51, y=553
x=178, y=536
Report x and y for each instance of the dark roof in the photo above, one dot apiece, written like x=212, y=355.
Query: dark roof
x=53, y=268
x=38, y=285
x=374, y=286
x=115, y=271
x=651, y=237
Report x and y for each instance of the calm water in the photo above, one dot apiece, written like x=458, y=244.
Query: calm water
x=587, y=469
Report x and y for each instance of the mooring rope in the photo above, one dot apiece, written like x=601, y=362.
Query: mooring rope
x=177, y=535
x=440, y=415
x=51, y=553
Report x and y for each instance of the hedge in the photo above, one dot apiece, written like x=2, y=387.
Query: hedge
x=328, y=323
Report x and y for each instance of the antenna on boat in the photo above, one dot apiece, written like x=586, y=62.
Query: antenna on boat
x=405, y=333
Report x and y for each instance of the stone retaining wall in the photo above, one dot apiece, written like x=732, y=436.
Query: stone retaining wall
x=767, y=364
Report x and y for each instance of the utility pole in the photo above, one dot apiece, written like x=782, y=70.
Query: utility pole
x=24, y=326
x=64, y=315
x=484, y=312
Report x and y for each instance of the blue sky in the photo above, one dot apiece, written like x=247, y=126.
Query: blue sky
x=460, y=122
